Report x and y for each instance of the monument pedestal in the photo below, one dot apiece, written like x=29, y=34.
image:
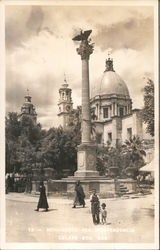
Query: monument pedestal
x=86, y=161
x=106, y=188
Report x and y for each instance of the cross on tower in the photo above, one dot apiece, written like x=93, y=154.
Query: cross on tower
x=109, y=52
x=65, y=80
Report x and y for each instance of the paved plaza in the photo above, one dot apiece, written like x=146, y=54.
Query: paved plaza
x=128, y=219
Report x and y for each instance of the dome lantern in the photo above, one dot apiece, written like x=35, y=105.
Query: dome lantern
x=109, y=65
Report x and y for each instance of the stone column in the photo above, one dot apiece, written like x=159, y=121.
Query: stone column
x=97, y=113
x=116, y=110
x=87, y=150
x=86, y=116
x=129, y=108
x=113, y=109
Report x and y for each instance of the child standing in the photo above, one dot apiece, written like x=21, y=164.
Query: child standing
x=103, y=213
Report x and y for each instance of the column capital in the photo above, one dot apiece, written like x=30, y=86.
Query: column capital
x=85, y=50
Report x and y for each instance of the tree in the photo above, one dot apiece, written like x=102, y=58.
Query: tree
x=133, y=153
x=109, y=160
x=13, y=128
x=12, y=131
x=26, y=153
x=59, y=150
x=22, y=136
x=31, y=130
x=148, y=110
x=121, y=160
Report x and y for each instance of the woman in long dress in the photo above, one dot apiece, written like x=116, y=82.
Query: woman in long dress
x=79, y=195
x=42, y=203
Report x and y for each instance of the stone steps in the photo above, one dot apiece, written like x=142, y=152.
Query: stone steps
x=123, y=190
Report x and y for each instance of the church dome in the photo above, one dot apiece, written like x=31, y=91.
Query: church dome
x=111, y=83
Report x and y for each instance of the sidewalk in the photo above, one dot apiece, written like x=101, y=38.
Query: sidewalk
x=31, y=198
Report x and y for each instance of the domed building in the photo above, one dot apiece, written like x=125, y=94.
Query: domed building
x=111, y=108
x=28, y=109
x=112, y=115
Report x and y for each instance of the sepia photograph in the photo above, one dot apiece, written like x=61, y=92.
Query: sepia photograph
x=80, y=166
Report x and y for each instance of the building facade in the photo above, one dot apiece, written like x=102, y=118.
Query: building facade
x=113, y=118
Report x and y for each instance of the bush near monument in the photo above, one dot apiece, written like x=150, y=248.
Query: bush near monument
x=123, y=161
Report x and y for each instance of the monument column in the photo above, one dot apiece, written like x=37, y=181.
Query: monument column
x=86, y=117
x=87, y=149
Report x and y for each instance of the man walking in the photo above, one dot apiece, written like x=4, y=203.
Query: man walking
x=95, y=207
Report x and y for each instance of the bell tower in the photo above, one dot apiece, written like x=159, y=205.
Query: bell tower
x=65, y=105
x=28, y=109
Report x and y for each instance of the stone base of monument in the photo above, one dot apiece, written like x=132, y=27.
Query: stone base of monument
x=106, y=188
x=86, y=156
x=84, y=174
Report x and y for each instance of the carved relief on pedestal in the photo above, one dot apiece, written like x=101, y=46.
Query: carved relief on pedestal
x=81, y=162
x=90, y=161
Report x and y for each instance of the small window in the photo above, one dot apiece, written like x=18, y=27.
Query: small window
x=110, y=137
x=129, y=133
x=105, y=113
x=121, y=112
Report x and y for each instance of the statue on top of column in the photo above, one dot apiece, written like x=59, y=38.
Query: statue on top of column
x=83, y=36
x=86, y=48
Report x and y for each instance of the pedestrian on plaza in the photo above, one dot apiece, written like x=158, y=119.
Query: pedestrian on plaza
x=103, y=213
x=95, y=207
x=142, y=178
x=42, y=203
x=28, y=185
x=11, y=182
x=7, y=182
x=79, y=195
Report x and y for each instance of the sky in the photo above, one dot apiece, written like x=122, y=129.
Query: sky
x=40, y=50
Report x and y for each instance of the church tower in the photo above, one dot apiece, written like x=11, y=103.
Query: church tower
x=65, y=105
x=28, y=108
